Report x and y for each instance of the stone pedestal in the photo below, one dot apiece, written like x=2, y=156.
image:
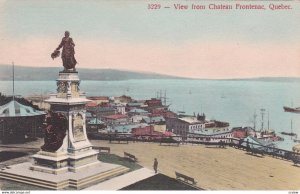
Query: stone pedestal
x=76, y=151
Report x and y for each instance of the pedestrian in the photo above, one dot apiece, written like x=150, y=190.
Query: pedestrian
x=155, y=165
x=248, y=146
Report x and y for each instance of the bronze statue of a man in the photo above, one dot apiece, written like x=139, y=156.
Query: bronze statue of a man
x=68, y=52
x=55, y=131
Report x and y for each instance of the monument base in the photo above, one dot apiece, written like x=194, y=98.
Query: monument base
x=60, y=162
x=48, y=162
x=81, y=157
x=78, y=180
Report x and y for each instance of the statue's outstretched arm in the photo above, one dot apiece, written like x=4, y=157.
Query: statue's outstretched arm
x=60, y=45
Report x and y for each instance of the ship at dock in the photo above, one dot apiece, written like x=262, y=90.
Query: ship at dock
x=292, y=110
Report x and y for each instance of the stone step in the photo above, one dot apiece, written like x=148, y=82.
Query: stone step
x=102, y=172
x=35, y=182
x=122, y=181
x=79, y=184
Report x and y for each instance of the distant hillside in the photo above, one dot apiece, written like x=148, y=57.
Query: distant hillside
x=268, y=79
x=50, y=73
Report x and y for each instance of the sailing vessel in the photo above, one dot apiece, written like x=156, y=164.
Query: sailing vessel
x=293, y=110
x=289, y=134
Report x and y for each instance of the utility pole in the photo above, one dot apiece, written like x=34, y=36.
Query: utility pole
x=13, y=76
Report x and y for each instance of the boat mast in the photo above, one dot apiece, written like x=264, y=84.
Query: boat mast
x=254, y=120
x=262, y=118
x=97, y=112
x=160, y=94
x=291, y=128
x=165, y=98
x=268, y=120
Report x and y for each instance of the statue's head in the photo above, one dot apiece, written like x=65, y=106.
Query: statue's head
x=67, y=33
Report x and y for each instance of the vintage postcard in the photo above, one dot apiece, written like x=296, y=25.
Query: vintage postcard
x=193, y=95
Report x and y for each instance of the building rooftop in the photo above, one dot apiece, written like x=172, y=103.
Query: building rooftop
x=98, y=98
x=119, y=104
x=160, y=182
x=137, y=110
x=91, y=104
x=135, y=104
x=191, y=120
x=154, y=119
x=15, y=109
x=114, y=117
x=88, y=115
x=101, y=109
x=127, y=128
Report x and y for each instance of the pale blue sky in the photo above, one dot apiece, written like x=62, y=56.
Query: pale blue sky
x=196, y=43
x=132, y=21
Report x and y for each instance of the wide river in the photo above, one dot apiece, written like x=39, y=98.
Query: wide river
x=231, y=101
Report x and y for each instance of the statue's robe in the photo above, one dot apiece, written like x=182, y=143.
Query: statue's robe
x=68, y=52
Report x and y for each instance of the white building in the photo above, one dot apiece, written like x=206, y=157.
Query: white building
x=121, y=108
